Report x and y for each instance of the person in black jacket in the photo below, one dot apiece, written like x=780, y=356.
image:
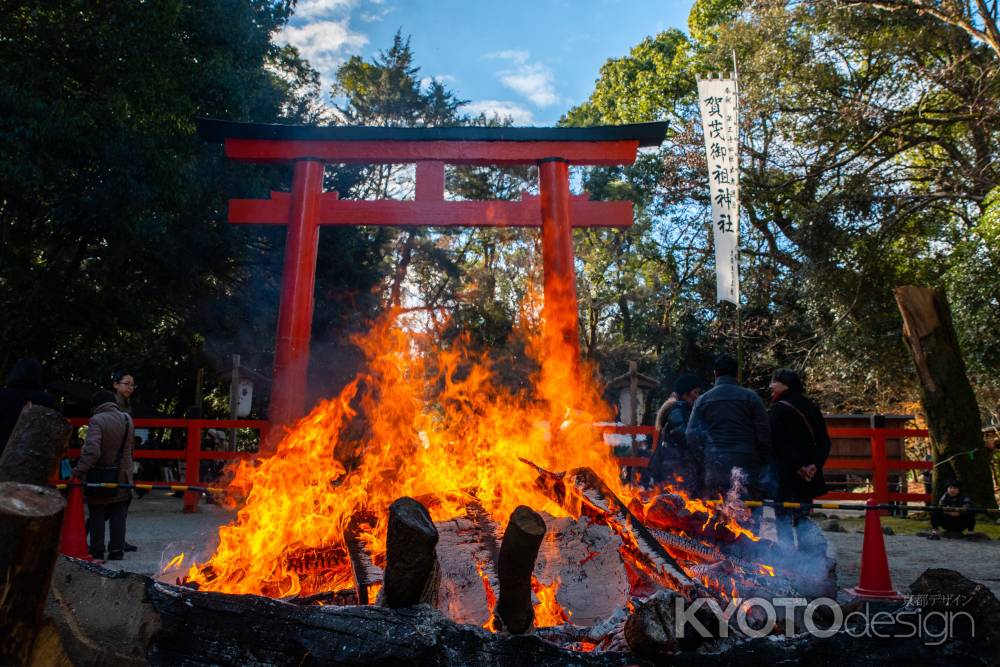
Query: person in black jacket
x=729, y=429
x=24, y=385
x=801, y=447
x=673, y=461
x=952, y=521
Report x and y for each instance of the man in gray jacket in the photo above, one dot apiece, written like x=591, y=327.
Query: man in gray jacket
x=729, y=425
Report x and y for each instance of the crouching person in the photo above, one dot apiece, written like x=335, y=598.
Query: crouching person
x=952, y=520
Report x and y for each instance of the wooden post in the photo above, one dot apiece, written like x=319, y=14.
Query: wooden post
x=633, y=399
x=30, y=517
x=518, y=552
x=880, y=470
x=192, y=465
x=412, y=573
x=199, y=393
x=234, y=399
x=35, y=446
x=946, y=395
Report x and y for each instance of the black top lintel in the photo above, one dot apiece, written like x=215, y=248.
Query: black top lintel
x=217, y=131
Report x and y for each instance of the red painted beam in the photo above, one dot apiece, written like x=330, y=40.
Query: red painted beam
x=605, y=153
x=390, y=212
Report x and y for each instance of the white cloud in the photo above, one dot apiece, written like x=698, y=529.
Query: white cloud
x=305, y=9
x=533, y=80
x=375, y=15
x=323, y=43
x=519, y=57
x=502, y=108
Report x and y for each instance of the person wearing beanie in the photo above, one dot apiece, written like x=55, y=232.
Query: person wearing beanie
x=952, y=520
x=801, y=447
x=673, y=461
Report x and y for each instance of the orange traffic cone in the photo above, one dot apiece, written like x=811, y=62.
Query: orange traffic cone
x=73, y=539
x=876, y=583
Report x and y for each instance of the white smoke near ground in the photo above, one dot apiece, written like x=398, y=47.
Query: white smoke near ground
x=734, y=507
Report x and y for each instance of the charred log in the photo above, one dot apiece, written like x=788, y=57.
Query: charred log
x=518, y=551
x=114, y=618
x=412, y=573
x=30, y=518
x=650, y=631
x=35, y=446
x=366, y=573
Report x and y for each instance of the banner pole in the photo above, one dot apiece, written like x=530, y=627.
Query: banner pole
x=739, y=315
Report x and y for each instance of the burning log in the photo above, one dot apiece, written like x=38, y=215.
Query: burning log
x=473, y=554
x=518, y=552
x=366, y=574
x=412, y=573
x=581, y=491
x=30, y=518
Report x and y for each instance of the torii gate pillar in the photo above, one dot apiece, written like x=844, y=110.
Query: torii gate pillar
x=307, y=149
x=298, y=280
x=560, y=309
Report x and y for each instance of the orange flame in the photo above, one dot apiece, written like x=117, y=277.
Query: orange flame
x=436, y=422
x=548, y=611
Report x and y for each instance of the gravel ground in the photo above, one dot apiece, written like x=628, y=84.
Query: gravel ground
x=161, y=531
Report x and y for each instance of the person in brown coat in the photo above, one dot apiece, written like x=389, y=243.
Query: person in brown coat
x=108, y=431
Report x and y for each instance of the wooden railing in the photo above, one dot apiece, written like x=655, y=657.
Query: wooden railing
x=192, y=454
x=878, y=464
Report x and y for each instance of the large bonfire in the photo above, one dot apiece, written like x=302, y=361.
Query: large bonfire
x=436, y=423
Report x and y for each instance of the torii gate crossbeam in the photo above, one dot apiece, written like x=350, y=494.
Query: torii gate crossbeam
x=308, y=148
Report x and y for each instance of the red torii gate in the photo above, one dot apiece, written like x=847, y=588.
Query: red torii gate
x=306, y=207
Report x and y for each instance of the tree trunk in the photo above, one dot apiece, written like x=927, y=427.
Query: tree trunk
x=30, y=517
x=947, y=397
x=412, y=573
x=518, y=551
x=35, y=446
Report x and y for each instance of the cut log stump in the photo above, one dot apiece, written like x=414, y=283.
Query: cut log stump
x=30, y=517
x=412, y=573
x=518, y=551
x=36, y=444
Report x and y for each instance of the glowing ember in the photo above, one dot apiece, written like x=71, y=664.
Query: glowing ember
x=491, y=598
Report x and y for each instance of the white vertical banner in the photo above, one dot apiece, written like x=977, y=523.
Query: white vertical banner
x=720, y=120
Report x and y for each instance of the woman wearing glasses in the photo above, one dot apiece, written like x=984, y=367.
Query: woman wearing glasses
x=124, y=384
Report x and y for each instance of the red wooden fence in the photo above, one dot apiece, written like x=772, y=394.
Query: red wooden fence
x=878, y=465
x=192, y=454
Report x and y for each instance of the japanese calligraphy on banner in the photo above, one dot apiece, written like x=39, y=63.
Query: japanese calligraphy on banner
x=720, y=120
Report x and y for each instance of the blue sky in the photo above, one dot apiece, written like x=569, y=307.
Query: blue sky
x=531, y=60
